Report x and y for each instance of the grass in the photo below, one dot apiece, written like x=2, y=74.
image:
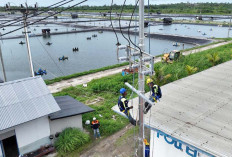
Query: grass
x=198, y=60
x=58, y=79
x=108, y=87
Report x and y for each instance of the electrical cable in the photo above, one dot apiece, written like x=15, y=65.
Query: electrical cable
x=112, y=24
x=120, y=23
x=149, y=29
x=21, y=18
x=50, y=56
x=135, y=26
x=45, y=17
x=130, y=27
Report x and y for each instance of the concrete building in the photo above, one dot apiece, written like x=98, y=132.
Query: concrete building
x=194, y=116
x=70, y=114
x=24, y=108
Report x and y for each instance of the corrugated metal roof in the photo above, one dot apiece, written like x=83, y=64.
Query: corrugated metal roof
x=24, y=100
x=197, y=110
x=69, y=107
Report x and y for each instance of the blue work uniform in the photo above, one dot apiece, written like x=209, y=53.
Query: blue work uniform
x=123, y=107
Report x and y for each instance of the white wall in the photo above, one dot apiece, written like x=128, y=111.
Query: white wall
x=163, y=146
x=33, y=134
x=60, y=124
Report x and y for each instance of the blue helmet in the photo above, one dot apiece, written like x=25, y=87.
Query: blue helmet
x=122, y=90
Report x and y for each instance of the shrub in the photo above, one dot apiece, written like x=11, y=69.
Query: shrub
x=159, y=76
x=190, y=70
x=213, y=58
x=71, y=139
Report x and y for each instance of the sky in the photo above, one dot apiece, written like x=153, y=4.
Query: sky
x=103, y=2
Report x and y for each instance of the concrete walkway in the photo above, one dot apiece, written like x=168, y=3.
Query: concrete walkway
x=59, y=86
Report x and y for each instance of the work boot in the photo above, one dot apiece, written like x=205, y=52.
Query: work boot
x=133, y=122
x=147, y=109
x=145, y=104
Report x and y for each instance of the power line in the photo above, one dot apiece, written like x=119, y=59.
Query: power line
x=120, y=22
x=37, y=14
x=149, y=29
x=112, y=23
x=130, y=26
x=45, y=17
x=50, y=56
x=30, y=14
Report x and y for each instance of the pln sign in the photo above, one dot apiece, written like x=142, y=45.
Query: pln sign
x=163, y=145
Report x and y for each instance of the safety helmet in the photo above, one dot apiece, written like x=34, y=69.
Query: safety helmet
x=149, y=80
x=145, y=141
x=122, y=90
x=94, y=118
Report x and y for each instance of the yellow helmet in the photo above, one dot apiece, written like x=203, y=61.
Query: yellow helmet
x=149, y=80
x=145, y=142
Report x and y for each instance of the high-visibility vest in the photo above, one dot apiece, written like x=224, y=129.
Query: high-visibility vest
x=95, y=122
x=155, y=89
x=122, y=99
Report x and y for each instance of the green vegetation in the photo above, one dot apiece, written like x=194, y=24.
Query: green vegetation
x=186, y=8
x=213, y=58
x=71, y=139
x=190, y=69
x=159, y=76
x=179, y=8
x=83, y=73
x=102, y=94
x=197, y=60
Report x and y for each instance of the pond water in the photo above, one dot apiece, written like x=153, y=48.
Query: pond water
x=36, y=29
x=95, y=53
x=191, y=30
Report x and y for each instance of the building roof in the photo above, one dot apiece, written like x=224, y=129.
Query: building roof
x=24, y=100
x=69, y=107
x=197, y=110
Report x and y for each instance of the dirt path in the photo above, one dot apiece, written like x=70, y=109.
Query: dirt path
x=111, y=147
x=58, y=86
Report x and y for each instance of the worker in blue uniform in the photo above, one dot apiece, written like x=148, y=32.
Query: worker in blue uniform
x=147, y=148
x=123, y=106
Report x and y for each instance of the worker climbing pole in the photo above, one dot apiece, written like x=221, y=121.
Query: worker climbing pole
x=147, y=148
x=142, y=71
x=156, y=94
x=123, y=106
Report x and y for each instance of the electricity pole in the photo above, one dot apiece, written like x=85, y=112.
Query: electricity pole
x=141, y=80
x=142, y=71
x=3, y=67
x=25, y=12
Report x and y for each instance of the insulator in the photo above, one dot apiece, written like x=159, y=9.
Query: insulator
x=134, y=66
x=135, y=54
x=123, y=59
x=121, y=47
x=147, y=59
x=147, y=72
